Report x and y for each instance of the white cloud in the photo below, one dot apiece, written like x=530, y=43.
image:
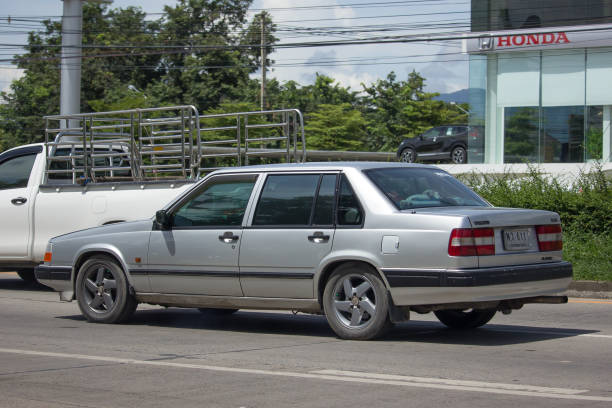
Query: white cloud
x=345, y=13
x=354, y=79
x=8, y=76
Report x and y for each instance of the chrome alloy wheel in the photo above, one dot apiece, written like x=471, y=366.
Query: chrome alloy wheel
x=100, y=289
x=408, y=155
x=354, y=301
x=458, y=155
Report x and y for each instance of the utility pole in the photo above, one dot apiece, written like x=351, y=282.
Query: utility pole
x=263, y=59
x=70, y=84
x=70, y=65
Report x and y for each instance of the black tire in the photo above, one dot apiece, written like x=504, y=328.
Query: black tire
x=27, y=275
x=458, y=155
x=106, y=298
x=358, y=316
x=459, y=319
x=408, y=155
x=212, y=312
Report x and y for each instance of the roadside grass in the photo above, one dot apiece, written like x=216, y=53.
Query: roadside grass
x=591, y=255
x=584, y=204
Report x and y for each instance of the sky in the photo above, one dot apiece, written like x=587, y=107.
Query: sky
x=441, y=63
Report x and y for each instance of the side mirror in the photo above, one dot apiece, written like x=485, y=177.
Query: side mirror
x=163, y=219
x=420, y=137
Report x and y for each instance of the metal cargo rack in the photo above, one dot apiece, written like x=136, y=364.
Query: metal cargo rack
x=174, y=142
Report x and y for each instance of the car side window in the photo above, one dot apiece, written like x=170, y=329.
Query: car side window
x=349, y=209
x=287, y=199
x=431, y=133
x=15, y=172
x=221, y=202
x=458, y=130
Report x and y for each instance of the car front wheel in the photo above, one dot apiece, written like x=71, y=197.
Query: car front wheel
x=408, y=155
x=355, y=303
x=460, y=319
x=102, y=291
x=458, y=155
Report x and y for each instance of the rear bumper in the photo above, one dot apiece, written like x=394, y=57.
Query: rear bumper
x=418, y=287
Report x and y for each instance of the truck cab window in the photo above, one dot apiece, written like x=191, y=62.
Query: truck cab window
x=15, y=172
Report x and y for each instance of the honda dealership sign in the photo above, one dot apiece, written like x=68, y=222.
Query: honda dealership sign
x=538, y=39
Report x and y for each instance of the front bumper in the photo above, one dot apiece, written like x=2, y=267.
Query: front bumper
x=58, y=278
x=420, y=287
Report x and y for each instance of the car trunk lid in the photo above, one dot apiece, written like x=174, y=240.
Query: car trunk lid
x=505, y=236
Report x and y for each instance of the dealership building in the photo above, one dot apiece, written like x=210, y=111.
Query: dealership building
x=541, y=81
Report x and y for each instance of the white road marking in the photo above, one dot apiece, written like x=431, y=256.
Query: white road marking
x=349, y=376
x=471, y=384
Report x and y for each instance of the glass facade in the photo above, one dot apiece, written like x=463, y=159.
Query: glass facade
x=546, y=106
x=494, y=15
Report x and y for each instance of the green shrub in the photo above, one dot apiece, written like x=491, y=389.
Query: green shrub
x=591, y=255
x=584, y=204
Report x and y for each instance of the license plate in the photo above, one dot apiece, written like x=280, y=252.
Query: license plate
x=516, y=239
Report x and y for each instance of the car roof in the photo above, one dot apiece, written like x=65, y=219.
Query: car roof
x=322, y=166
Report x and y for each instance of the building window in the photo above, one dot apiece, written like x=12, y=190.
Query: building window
x=549, y=106
x=521, y=134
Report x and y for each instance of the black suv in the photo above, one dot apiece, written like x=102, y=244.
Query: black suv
x=441, y=143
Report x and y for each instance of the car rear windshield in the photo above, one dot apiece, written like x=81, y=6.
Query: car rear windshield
x=411, y=187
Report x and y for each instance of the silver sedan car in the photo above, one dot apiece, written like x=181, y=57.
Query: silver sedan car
x=363, y=243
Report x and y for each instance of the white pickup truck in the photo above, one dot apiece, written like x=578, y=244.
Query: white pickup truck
x=109, y=167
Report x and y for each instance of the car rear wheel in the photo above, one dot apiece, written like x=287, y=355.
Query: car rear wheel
x=216, y=312
x=102, y=291
x=462, y=319
x=458, y=155
x=408, y=155
x=355, y=302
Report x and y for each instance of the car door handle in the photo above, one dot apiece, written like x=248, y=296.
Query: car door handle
x=19, y=200
x=318, y=238
x=228, y=237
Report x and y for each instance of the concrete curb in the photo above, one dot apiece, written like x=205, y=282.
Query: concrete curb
x=590, y=289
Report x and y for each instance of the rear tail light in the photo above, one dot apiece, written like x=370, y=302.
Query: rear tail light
x=471, y=242
x=48, y=257
x=550, y=237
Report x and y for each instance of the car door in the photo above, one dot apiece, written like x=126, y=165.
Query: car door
x=290, y=232
x=16, y=199
x=431, y=143
x=198, y=253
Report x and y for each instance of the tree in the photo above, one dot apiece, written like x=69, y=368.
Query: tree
x=335, y=127
x=396, y=110
x=104, y=81
x=204, y=77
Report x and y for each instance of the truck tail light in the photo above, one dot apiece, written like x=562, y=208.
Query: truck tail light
x=550, y=237
x=471, y=242
x=48, y=256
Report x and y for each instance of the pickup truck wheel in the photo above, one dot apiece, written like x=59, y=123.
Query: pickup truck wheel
x=356, y=304
x=460, y=319
x=102, y=291
x=216, y=312
x=458, y=155
x=408, y=155
x=27, y=275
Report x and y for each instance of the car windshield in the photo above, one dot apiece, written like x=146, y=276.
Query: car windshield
x=418, y=187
